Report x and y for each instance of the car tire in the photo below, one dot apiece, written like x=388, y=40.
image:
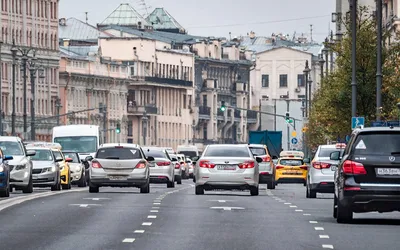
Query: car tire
x=67, y=186
x=178, y=180
x=93, y=189
x=254, y=191
x=170, y=184
x=145, y=189
x=6, y=192
x=271, y=184
x=194, y=179
x=310, y=194
x=344, y=213
x=28, y=189
x=82, y=180
x=199, y=190
x=56, y=187
x=334, y=207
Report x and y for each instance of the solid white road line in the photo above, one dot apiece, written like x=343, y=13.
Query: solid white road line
x=293, y=206
x=313, y=222
x=327, y=246
x=153, y=211
x=139, y=231
x=319, y=228
x=288, y=203
x=152, y=217
x=147, y=223
x=128, y=240
x=324, y=236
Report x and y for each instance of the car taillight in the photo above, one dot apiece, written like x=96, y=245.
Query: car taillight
x=177, y=166
x=96, y=164
x=279, y=167
x=321, y=165
x=246, y=164
x=266, y=159
x=304, y=167
x=141, y=165
x=164, y=163
x=352, y=167
x=206, y=164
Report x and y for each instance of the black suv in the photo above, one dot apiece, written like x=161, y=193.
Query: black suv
x=368, y=175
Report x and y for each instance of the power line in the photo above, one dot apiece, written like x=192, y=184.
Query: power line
x=265, y=22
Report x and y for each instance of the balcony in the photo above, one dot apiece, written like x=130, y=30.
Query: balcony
x=204, y=112
x=252, y=116
x=149, y=109
x=168, y=81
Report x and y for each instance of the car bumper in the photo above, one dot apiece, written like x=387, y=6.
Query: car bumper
x=64, y=176
x=323, y=187
x=45, y=179
x=161, y=175
x=128, y=182
x=217, y=179
x=20, y=178
x=291, y=178
x=265, y=177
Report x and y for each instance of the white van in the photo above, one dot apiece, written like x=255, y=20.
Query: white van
x=188, y=150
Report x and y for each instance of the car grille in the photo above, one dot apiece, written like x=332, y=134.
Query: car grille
x=36, y=171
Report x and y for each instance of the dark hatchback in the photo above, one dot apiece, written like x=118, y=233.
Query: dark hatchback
x=368, y=175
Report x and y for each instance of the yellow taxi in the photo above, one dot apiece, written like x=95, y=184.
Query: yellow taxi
x=65, y=170
x=291, y=168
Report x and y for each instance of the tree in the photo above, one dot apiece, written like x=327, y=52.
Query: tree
x=330, y=114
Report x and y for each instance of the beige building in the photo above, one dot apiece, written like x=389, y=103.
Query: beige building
x=31, y=25
x=391, y=20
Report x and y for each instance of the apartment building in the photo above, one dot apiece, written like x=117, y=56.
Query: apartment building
x=391, y=20
x=32, y=26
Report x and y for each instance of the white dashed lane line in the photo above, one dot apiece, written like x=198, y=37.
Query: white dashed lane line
x=327, y=246
x=151, y=217
x=139, y=231
x=153, y=211
x=324, y=236
x=128, y=240
x=319, y=228
x=313, y=222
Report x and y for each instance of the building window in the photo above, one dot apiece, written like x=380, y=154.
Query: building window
x=300, y=80
x=283, y=81
x=265, y=81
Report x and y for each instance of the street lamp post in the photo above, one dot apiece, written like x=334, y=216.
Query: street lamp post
x=353, y=7
x=33, y=68
x=331, y=43
x=58, y=107
x=379, y=60
x=309, y=93
x=321, y=65
x=14, y=51
x=144, y=125
x=306, y=71
x=325, y=51
x=1, y=94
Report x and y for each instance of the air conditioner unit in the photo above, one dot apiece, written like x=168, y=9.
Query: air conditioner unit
x=298, y=90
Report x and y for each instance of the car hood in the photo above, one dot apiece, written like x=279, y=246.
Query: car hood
x=42, y=164
x=17, y=160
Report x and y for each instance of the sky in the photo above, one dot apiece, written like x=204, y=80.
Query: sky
x=219, y=17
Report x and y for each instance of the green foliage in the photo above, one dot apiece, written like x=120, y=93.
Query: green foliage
x=330, y=114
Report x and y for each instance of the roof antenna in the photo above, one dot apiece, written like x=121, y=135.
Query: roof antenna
x=87, y=18
x=311, y=30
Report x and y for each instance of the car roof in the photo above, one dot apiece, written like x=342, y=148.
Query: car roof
x=155, y=148
x=38, y=148
x=376, y=129
x=10, y=138
x=110, y=145
x=257, y=145
x=227, y=145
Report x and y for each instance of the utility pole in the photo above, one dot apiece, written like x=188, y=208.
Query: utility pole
x=1, y=93
x=103, y=109
x=144, y=125
x=14, y=63
x=309, y=94
x=326, y=57
x=33, y=78
x=353, y=8
x=379, y=60
x=306, y=72
x=24, y=59
x=288, y=126
x=331, y=50
x=58, y=108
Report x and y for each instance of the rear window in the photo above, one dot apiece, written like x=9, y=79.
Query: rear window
x=287, y=162
x=188, y=153
x=227, y=152
x=73, y=156
x=377, y=144
x=326, y=152
x=119, y=153
x=155, y=153
x=258, y=151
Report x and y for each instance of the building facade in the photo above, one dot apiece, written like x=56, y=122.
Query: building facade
x=88, y=82
x=32, y=26
x=391, y=20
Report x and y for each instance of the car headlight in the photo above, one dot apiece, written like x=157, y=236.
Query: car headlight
x=19, y=167
x=1, y=169
x=50, y=169
x=77, y=168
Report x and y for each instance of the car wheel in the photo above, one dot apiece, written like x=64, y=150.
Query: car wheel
x=28, y=189
x=170, y=184
x=199, y=190
x=145, y=189
x=344, y=213
x=178, y=180
x=310, y=193
x=82, y=181
x=271, y=184
x=334, y=207
x=254, y=191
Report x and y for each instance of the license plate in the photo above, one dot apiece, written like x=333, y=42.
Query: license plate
x=118, y=178
x=226, y=167
x=333, y=168
x=388, y=171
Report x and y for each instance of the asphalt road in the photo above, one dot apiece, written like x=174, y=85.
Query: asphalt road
x=178, y=219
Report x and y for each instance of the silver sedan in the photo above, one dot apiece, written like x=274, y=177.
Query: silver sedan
x=162, y=169
x=228, y=167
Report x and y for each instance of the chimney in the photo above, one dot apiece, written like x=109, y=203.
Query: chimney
x=252, y=35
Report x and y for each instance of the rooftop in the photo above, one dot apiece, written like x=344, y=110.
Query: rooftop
x=78, y=30
x=125, y=15
x=160, y=19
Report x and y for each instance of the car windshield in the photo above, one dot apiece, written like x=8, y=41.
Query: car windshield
x=154, y=153
x=42, y=155
x=227, y=151
x=258, y=151
x=80, y=144
x=73, y=156
x=11, y=148
x=326, y=152
x=188, y=153
x=118, y=153
x=290, y=162
x=377, y=144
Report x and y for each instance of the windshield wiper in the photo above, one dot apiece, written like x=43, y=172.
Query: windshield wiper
x=112, y=158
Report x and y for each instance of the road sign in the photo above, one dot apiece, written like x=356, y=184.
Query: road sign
x=357, y=122
x=294, y=134
x=294, y=141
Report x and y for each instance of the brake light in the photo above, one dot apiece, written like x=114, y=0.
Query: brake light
x=279, y=167
x=177, y=166
x=304, y=167
x=246, y=164
x=141, y=165
x=96, y=164
x=164, y=163
x=321, y=165
x=267, y=159
x=206, y=164
x=352, y=167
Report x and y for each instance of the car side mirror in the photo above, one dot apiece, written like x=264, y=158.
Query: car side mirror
x=58, y=159
x=150, y=158
x=68, y=159
x=89, y=158
x=30, y=153
x=195, y=158
x=335, y=156
x=259, y=159
x=8, y=158
x=306, y=160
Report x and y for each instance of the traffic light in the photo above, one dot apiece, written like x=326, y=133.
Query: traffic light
x=223, y=108
x=287, y=117
x=118, y=128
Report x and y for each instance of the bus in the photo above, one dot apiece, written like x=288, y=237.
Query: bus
x=83, y=139
x=188, y=150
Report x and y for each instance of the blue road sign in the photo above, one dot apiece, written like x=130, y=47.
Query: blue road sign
x=357, y=122
x=294, y=141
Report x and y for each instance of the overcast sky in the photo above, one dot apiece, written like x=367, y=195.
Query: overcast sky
x=219, y=17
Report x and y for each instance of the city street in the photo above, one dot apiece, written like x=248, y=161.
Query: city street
x=178, y=219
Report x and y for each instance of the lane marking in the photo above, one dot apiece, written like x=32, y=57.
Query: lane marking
x=155, y=208
x=152, y=217
x=96, y=199
x=324, y=236
x=307, y=214
x=128, y=240
x=139, y=231
x=327, y=246
x=313, y=222
x=228, y=208
x=156, y=203
x=319, y=228
x=147, y=223
x=153, y=211
x=299, y=210
x=293, y=206
x=288, y=203
x=85, y=205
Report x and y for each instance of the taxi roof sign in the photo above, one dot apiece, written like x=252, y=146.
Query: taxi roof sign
x=292, y=154
x=45, y=145
x=340, y=145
